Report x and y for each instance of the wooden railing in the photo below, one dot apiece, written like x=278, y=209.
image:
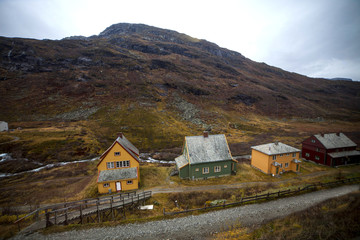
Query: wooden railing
x=43, y=212
x=267, y=196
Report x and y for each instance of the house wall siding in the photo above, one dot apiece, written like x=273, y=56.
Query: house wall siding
x=189, y=171
x=124, y=156
x=124, y=186
x=264, y=162
x=261, y=161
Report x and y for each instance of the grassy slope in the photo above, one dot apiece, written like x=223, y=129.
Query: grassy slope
x=333, y=219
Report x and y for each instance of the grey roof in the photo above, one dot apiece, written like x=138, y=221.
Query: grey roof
x=344, y=154
x=275, y=148
x=207, y=149
x=129, y=147
x=332, y=140
x=126, y=143
x=181, y=161
x=117, y=174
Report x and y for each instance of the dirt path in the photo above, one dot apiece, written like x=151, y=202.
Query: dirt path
x=204, y=225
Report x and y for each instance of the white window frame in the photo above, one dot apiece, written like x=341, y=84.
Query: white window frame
x=313, y=140
x=274, y=157
x=280, y=165
x=117, y=153
x=110, y=165
x=286, y=165
x=307, y=154
x=206, y=170
x=294, y=154
x=217, y=169
x=196, y=169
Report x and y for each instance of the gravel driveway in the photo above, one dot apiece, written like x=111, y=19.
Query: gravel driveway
x=202, y=226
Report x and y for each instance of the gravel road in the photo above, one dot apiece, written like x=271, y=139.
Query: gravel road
x=204, y=225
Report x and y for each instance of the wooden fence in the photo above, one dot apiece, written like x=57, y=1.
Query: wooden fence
x=82, y=210
x=273, y=195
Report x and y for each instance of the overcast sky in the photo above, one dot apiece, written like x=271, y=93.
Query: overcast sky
x=317, y=38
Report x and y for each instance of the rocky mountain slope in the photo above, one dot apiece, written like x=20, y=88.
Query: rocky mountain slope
x=134, y=76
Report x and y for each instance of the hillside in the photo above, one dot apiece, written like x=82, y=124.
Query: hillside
x=157, y=85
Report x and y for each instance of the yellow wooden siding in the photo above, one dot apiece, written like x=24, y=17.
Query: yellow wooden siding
x=124, y=186
x=260, y=160
x=124, y=156
x=264, y=162
x=110, y=157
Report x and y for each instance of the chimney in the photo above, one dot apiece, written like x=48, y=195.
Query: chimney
x=206, y=134
x=120, y=135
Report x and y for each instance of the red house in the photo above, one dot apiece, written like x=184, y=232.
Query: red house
x=330, y=149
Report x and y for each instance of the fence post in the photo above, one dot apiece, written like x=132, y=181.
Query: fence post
x=224, y=203
x=47, y=218
x=55, y=217
x=81, y=215
x=66, y=216
x=97, y=209
x=111, y=206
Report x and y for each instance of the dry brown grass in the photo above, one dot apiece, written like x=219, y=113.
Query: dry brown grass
x=334, y=219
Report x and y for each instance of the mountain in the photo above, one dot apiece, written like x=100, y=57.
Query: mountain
x=134, y=77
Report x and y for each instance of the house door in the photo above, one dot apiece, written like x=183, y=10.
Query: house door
x=118, y=186
x=297, y=167
x=277, y=170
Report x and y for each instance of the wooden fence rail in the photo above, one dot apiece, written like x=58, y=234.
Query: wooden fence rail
x=273, y=195
x=63, y=213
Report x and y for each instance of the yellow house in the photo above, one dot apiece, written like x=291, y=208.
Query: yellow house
x=275, y=158
x=118, y=168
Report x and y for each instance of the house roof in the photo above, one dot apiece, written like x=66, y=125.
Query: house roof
x=126, y=144
x=333, y=140
x=212, y=148
x=275, y=148
x=117, y=174
x=181, y=161
x=344, y=154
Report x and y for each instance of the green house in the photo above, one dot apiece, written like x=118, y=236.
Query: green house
x=205, y=157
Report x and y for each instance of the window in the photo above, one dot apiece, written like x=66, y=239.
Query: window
x=286, y=165
x=129, y=182
x=313, y=140
x=106, y=185
x=288, y=154
x=205, y=170
x=317, y=149
x=294, y=155
x=110, y=165
x=307, y=154
x=281, y=155
x=225, y=166
x=217, y=169
x=120, y=164
x=196, y=169
x=317, y=158
x=274, y=157
x=281, y=165
x=116, y=153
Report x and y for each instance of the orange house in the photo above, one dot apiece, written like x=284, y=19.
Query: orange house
x=118, y=168
x=275, y=158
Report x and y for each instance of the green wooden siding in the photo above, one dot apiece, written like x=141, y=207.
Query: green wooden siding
x=195, y=171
